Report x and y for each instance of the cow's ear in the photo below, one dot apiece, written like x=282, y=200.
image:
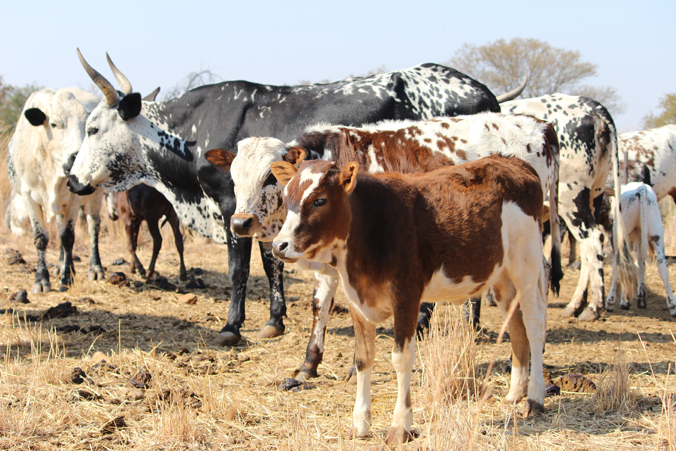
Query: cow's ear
x=130, y=106
x=220, y=158
x=295, y=156
x=348, y=176
x=35, y=116
x=283, y=171
x=152, y=96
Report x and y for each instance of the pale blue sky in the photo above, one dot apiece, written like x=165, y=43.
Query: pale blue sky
x=282, y=42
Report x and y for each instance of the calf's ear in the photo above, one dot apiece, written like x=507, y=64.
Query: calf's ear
x=220, y=158
x=35, y=116
x=348, y=176
x=283, y=171
x=295, y=156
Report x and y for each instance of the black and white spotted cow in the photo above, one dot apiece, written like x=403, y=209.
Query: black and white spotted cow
x=163, y=144
x=643, y=221
x=390, y=146
x=588, y=150
x=651, y=157
x=50, y=129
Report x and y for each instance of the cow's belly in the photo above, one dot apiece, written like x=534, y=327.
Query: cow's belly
x=443, y=289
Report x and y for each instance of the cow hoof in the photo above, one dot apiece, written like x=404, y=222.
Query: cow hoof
x=63, y=288
x=624, y=306
x=642, y=304
x=588, y=315
x=673, y=313
x=575, y=266
x=353, y=433
x=397, y=435
x=227, y=339
x=96, y=275
x=568, y=312
x=532, y=407
x=270, y=332
x=41, y=287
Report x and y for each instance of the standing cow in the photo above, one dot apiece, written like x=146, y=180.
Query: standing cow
x=163, y=144
x=643, y=221
x=651, y=156
x=390, y=146
x=398, y=239
x=588, y=150
x=50, y=129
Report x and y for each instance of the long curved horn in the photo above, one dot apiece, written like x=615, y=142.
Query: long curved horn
x=104, y=85
x=511, y=95
x=123, y=81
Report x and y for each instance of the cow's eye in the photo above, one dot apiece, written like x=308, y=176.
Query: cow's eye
x=92, y=131
x=53, y=124
x=319, y=202
x=271, y=180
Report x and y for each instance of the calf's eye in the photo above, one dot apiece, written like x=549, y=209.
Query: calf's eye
x=92, y=131
x=319, y=202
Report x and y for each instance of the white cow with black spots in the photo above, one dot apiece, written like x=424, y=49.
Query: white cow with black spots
x=588, y=151
x=49, y=131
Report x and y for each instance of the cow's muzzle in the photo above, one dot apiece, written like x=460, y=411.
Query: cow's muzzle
x=78, y=188
x=281, y=248
x=245, y=225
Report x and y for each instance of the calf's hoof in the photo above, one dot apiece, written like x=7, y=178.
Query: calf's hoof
x=63, y=288
x=183, y=276
x=44, y=287
x=354, y=433
x=532, y=407
x=227, y=339
x=96, y=274
x=397, y=435
x=568, y=312
x=270, y=332
x=352, y=375
x=588, y=315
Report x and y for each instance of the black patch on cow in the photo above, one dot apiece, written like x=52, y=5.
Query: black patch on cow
x=646, y=175
x=35, y=116
x=130, y=106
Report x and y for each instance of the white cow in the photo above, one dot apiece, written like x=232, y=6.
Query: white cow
x=651, y=156
x=643, y=221
x=49, y=131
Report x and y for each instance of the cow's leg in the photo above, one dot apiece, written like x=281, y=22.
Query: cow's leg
x=239, y=255
x=572, y=256
x=66, y=224
x=596, y=291
x=322, y=302
x=41, y=240
x=178, y=240
x=472, y=311
x=657, y=242
x=93, y=208
x=615, y=290
x=155, y=233
x=424, y=317
x=403, y=358
x=364, y=355
x=133, y=227
x=274, y=269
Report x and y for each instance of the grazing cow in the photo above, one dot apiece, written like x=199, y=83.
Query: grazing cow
x=392, y=146
x=163, y=144
x=444, y=235
x=643, y=223
x=50, y=129
x=588, y=149
x=651, y=156
x=145, y=203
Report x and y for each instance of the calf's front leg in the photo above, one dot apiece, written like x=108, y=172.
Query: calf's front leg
x=364, y=355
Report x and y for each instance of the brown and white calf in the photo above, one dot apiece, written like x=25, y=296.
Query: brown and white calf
x=393, y=146
x=145, y=203
x=397, y=240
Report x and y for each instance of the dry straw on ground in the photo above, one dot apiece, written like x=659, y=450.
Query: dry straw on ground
x=194, y=395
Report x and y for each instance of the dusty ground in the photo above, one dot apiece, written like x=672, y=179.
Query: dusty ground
x=204, y=397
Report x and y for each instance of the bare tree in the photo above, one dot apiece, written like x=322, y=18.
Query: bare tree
x=191, y=81
x=502, y=66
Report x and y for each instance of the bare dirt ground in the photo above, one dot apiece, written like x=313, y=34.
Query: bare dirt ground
x=186, y=393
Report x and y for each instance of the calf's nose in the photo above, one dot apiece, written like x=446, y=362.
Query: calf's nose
x=279, y=247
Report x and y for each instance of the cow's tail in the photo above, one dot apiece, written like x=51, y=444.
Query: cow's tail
x=644, y=243
x=556, y=272
x=626, y=267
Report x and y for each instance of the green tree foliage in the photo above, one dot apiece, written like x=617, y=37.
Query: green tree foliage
x=667, y=116
x=502, y=66
x=12, y=100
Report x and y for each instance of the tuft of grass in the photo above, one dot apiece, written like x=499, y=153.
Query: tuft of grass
x=613, y=392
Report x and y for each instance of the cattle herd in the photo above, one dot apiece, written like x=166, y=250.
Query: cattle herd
x=406, y=188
